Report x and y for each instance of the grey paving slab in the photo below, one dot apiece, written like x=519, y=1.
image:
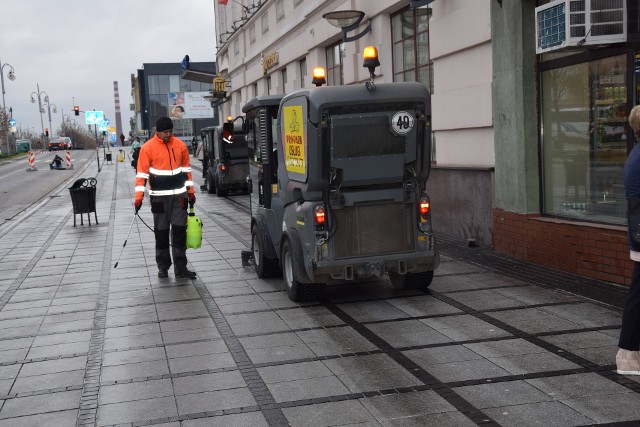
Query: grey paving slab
x=201, y=362
x=328, y=414
x=535, y=295
x=126, y=342
x=372, y=311
x=583, y=340
x=182, y=325
x=530, y=363
x=308, y=317
x=407, y=333
x=405, y=405
x=137, y=390
x=133, y=356
x=577, y=385
x=250, y=419
x=25, y=384
x=58, y=419
x=363, y=373
x=214, y=400
x=187, y=335
x=556, y=414
x=76, y=348
x=194, y=384
x=464, y=370
x=422, y=305
x=13, y=355
x=127, y=331
x=586, y=314
x=464, y=327
x=309, y=388
x=65, y=338
x=506, y=393
x=137, y=410
x=332, y=341
x=53, y=366
x=450, y=353
x=40, y=404
x=196, y=348
x=134, y=370
x=446, y=419
x=256, y=323
x=534, y=320
x=502, y=348
x=607, y=408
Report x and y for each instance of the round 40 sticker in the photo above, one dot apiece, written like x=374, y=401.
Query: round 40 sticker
x=402, y=122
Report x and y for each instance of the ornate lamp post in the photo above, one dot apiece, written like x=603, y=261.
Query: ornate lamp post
x=12, y=76
x=38, y=95
x=55, y=110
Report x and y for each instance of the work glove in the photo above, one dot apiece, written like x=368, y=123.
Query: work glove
x=192, y=199
x=137, y=204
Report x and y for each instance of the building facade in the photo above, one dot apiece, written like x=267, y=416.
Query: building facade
x=528, y=147
x=159, y=89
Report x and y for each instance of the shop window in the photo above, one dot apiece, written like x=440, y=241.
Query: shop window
x=335, y=54
x=303, y=71
x=410, y=36
x=584, y=140
x=252, y=34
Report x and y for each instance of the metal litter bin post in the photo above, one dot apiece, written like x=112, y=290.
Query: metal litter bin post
x=107, y=156
x=83, y=197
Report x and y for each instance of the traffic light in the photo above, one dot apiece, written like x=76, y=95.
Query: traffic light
x=46, y=131
x=104, y=132
x=76, y=110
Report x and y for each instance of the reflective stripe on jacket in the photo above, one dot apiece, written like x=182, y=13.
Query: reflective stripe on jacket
x=165, y=166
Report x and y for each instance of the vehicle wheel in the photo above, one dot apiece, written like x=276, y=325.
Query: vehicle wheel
x=219, y=191
x=265, y=267
x=211, y=188
x=295, y=290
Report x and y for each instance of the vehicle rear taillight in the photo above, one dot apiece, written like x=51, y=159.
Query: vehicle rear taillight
x=223, y=167
x=321, y=216
x=424, y=205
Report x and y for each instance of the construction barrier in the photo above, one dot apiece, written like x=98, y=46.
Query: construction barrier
x=32, y=162
x=69, y=165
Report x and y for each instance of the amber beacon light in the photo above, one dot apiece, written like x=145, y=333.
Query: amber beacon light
x=319, y=77
x=370, y=61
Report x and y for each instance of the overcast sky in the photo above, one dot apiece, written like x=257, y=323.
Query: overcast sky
x=78, y=48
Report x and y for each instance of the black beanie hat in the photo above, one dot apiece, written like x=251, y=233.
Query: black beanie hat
x=163, y=123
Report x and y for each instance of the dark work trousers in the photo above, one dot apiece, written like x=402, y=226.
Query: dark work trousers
x=170, y=218
x=630, y=332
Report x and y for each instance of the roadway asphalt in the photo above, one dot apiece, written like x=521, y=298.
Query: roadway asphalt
x=493, y=342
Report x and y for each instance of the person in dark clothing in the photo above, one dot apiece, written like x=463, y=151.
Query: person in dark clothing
x=628, y=357
x=56, y=162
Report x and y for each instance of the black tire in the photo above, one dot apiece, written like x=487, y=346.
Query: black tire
x=265, y=267
x=219, y=191
x=295, y=290
x=208, y=182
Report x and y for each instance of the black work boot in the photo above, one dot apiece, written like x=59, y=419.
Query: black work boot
x=186, y=274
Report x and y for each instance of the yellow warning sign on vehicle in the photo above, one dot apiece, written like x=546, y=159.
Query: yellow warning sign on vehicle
x=294, y=143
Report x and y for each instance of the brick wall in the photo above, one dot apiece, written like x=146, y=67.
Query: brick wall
x=593, y=250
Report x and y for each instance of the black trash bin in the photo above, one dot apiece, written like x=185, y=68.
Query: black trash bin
x=83, y=197
x=107, y=156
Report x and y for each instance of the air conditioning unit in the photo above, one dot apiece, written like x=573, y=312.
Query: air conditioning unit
x=564, y=24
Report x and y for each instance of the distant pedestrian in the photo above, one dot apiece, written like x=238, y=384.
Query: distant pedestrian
x=628, y=357
x=164, y=161
x=122, y=139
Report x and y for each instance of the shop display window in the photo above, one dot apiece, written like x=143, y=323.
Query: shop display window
x=585, y=140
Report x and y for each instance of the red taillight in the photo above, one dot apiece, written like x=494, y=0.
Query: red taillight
x=424, y=206
x=321, y=215
x=223, y=167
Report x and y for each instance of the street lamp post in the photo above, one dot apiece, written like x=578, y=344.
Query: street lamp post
x=55, y=110
x=12, y=76
x=38, y=94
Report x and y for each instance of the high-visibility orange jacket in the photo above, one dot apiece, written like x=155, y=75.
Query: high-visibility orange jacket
x=165, y=166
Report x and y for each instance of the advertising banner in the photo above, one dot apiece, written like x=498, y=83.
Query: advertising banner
x=189, y=105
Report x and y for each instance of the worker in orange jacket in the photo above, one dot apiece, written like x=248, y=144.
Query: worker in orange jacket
x=164, y=162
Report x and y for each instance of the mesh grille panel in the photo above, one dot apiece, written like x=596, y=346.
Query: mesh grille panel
x=374, y=230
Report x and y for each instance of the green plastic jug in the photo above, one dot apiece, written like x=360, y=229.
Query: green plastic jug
x=194, y=231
